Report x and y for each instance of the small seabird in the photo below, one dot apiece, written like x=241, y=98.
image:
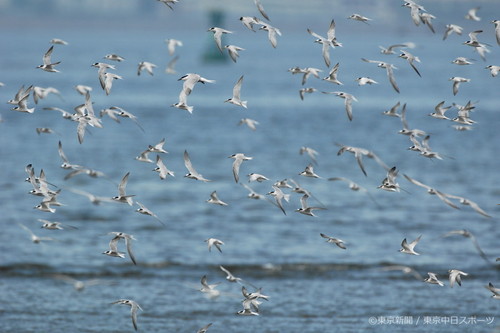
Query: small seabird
x=389, y=69
x=96, y=200
x=158, y=148
x=495, y=291
x=426, y=19
x=22, y=105
x=406, y=128
x=190, y=80
x=404, y=269
x=390, y=49
x=113, y=57
x=409, y=248
x=456, y=83
x=122, y=197
x=78, y=284
x=65, y=114
x=66, y=164
x=359, y=153
x=389, y=182
x=278, y=195
x=162, y=169
x=51, y=225
x=41, y=93
x=432, y=191
x=128, y=243
x=439, y=111
x=256, y=294
x=452, y=28
x=305, y=209
x=113, y=249
x=251, y=302
x=253, y=194
x=82, y=89
x=218, y=36
x=229, y=276
x=411, y=59
x=414, y=11
x=332, y=75
x=247, y=309
x=472, y=14
x=48, y=65
x=497, y=30
x=133, y=305
x=238, y=159
x=169, y=3
x=58, y=41
x=256, y=177
x=44, y=206
x=306, y=91
x=283, y=184
x=461, y=61
x=145, y=211
x=329, y=41
x=480, y=48
x=233, y=51
x=357, y=17
x=170, y=69
x=455, y=277
x=309, y=172
x=108, y=81
x=192, y=173
x=424, y=147
x=118, y=111
x=236, y=99
x=352, y=185
x=249, y=21
x=296, y=188
x=182, y=104
x=209, y=289
x=214, y=199
x=307, y=72
x=34, y=238
x=271, y=34
x=172, y=44
x=147, y=66
x=493, y=70
x=83, y=170
x=45, y=130
x=21, y=95
x=251, y=123
x=310, y=152
x=204, y=329
x=393, y=111
x=250, y=307
x=261, y=10
x=365, y=80
x=432, y=279
x=336, y=241
x=472, y=204
x=348, y=99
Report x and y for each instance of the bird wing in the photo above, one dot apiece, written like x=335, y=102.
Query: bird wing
x=123, y=184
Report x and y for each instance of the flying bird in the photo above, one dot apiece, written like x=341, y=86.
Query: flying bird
x=134, y=307
x=48, y=65
x=236, y=99
x=238, y=159
x=192, y=173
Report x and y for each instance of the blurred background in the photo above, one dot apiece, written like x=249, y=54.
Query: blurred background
x=313, y=285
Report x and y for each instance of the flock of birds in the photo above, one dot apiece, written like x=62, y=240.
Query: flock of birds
x=85, y=116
